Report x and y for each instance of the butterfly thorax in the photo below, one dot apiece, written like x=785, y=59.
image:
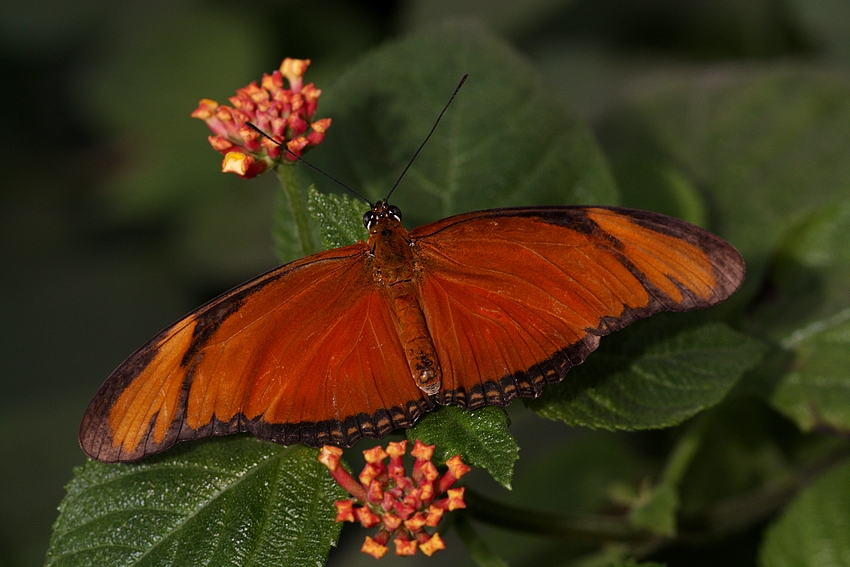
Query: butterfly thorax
x=394, y=272
x=389, y=243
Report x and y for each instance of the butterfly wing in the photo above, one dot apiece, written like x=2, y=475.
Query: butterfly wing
x=305, y=353
x=515, y=297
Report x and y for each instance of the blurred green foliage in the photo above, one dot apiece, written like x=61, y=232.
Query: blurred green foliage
x=735, y=115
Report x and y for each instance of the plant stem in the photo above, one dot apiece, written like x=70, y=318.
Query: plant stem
x=739, y=512
x=735, y=513
x=291, y=207
x=585, y=528
x=683, y=453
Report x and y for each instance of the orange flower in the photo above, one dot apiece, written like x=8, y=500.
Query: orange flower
x=284, y=114
x=401, y=505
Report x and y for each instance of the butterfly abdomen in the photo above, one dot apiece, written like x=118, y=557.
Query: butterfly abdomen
x=395, y=272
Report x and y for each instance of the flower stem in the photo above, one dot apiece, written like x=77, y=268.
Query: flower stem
x=291, y=213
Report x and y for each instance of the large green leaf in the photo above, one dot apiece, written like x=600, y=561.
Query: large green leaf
x=480, y=437
x=231, y=501
x=815, y=529
x=656, y=377
x=506, y=140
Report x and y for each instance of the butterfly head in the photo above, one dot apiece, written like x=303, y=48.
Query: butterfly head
x=381, y=212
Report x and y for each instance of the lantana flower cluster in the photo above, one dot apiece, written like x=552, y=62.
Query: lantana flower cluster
x=403, y=506
x=285, y=114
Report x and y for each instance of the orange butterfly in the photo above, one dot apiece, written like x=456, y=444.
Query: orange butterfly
x=475, y=310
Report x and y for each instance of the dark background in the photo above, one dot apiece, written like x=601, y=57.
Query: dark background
x=114, y=220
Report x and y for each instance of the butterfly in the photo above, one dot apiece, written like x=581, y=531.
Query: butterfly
x=475, y=310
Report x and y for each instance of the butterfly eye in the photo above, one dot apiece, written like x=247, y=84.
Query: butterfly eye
x=369, y=219
x=394, y=212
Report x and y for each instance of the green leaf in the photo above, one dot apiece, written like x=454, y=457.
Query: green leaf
x=816, y=392
x=651, y=377
x=814, y=531
x=227, y=500
x=340, y=218
x=480, y=437
x=505, y=140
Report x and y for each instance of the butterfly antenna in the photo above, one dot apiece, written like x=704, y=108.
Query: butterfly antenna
x=434, y=127
x=308, y=164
